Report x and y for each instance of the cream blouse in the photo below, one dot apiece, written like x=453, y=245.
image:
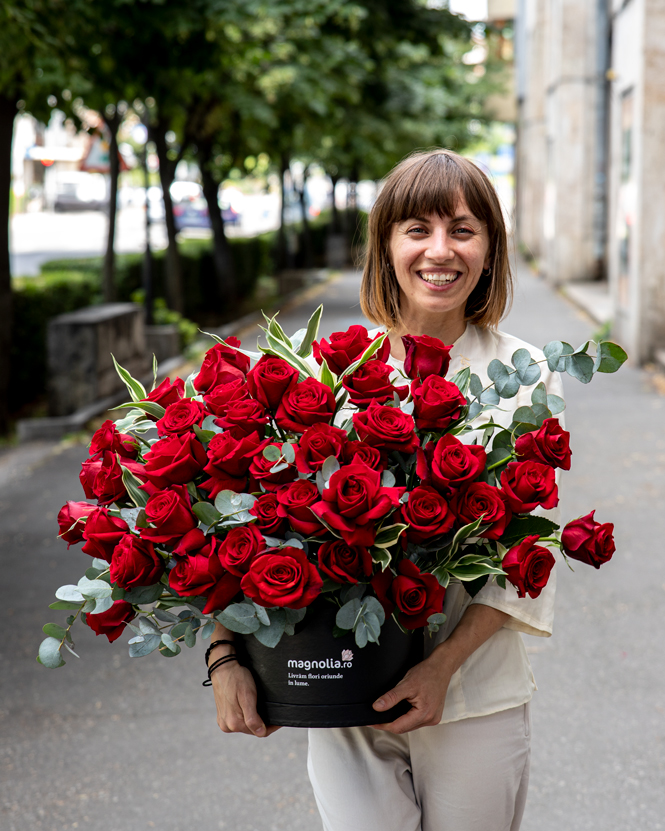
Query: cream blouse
x=498, y=674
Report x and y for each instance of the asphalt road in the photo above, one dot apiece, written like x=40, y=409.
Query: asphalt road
x=108, y=743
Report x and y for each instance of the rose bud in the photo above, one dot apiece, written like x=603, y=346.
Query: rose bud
x=169, y=511
x=428, y=515
x=282, y=577
x=107, y=437
x=102, y=478
x=244, y=418
x=344, y=563
x=550, y=445
x=371, y=382
x=526, y=485
x=239, y=548
x=223, y=396
x=174, y=460
x=528, y=566
x=415, y=594
x=346, y=347
x=425, y=356
x=181, y=417
x=268, y=520
x=317, y=444
x=270, y=380
x=437, y=403
x=102, y=533
x=166, y=393
x=589, y=541
x=221, y=365
x=135, y=563
x=308, y=403
x=204, y=575
x=294, y=504
x=111, y=622
x=449, y=463
x=386, y=427
x=229, y=459
x=482, y=500
x=71, y=521
x=194, y=542
x=360, y=451
x=260, y=471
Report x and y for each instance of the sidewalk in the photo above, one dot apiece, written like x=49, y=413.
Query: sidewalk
x=138, y=740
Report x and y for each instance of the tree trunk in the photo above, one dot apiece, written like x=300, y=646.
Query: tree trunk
x=284, y=253
x=174, y=292
x=108, y=275
x=224, y=265
x=7, y=113
x=306, y=231
x=334, y=225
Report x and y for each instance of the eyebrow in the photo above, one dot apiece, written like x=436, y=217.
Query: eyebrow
x=461, y=218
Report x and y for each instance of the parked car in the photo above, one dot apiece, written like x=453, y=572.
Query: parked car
x=75, y=190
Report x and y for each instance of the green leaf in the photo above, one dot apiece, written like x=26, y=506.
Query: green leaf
x=499, y=455
x=294, y=616
x=521, y=527
x=553, y=352
x=361, y=634
x=580, y=367
x=442, y=575
x=239, y=617
x=438, y=618
x=69, y=649
x=311, y=334
x=502, y=439
x=276, y=330
x=102, y=604
x=71, y=594
x=64, y=605
x=490, y=396
x=280, y=349
x=168, y=642
x=472, y=587
x=135, y=388
x=525, y=415
x=609, y=357
x=328, y=378
x=208, y=629
x=138, y=497
x=521, y=359
x=471, y=572
x=262, y=614
x=154, y=371
x=475, y=385
x=190, y=636
x=164, y=616
x=204, y=436
x=289, y=452
x=54, y=631
x=388, y=479
x=389, y=535
x=381, y=556
x=209, y=426
x=190, y=389
x=374, y=607
x=555, y=404
x=49, y=653
x=272, y=453
x=148, y=644
x=372, y=624
x=149, y=407
x=348, y=614
x=539, y=395
x=271, y=635
x=206, y=512
x=92, y=589
x=139, y=595
x=462, y=380
x=374, y=347
x=330, y=466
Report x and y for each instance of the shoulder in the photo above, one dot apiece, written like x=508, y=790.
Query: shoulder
x=504, y=345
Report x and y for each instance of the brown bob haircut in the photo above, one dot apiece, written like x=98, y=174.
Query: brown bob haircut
x=425, y=184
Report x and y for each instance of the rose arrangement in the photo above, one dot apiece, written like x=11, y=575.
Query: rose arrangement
x=315, y=471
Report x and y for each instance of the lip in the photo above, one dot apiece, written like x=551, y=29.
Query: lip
x=439, y=271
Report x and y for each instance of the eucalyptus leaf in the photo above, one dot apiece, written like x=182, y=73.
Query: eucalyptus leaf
x=69, y=649
x=555, y=404
x=49, y=653
x=145, y=647
x=294, y=616
x=94, y=588
x=65, y=605
x=209, y=426
x=330, y=466
x=239, y=617
x=289, y=453
x=190, y=637
x=475, y=385
x=354, y=591
x=490, y=396
x=609, y=357
x=271, y=635
x=102, y=604
x=164, y=616
x=146, y=626
x=262, y=614
x=138, y=595
x=208, y=629
x=272, y=453
x=374, y=607
x=581, y=367
x=130, y=516
x=53, y=630
x=71, y=594
x=207, y=513
x=388, y=479
x=346, y=616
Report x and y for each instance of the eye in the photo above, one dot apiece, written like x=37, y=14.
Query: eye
x=418, y=229
x=463, y=231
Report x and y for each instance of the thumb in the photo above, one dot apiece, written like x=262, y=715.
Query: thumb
x=391, y=698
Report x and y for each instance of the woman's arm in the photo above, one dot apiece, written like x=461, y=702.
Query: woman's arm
x=425, y=685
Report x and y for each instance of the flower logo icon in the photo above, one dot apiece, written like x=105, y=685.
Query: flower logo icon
x=347, y=655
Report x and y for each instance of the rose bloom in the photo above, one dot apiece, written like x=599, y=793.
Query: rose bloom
x=354, y=502
x=194, y=542
x=528, y=484
x=550, y=445
x=437, y=403
x=169, y=511
x=428, y=515
x=386, y=427
x=282, y=577
x=229, y=459
x=102, y=533
x=270, y=380
x=371, y=382
x=269, y=522
x=71, y=521
x=107, y=437
x=135, y=563
x=259, y=471
x=480, y=499
x=449, y=463
x=174, y=460
x=199, y=574
x=417, y=596
x=589, y=541
x=239, y=548
x=346, y=347
x=360, y=451
x=317, y=444
x=167, y=393
x=223, y=396
x=244, y=418
x=295, y=502
x=425, y=356
x=102, y=478
x=111, y=622
x=221, y=365
x=528, y=566
x=181, y=417
x=344, y=563
x=306, y=404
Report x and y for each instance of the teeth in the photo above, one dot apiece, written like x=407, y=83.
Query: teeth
x=439, y=279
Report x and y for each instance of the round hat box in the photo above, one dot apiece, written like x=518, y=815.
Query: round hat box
x=313, y=679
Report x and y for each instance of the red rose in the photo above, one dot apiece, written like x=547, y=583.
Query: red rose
x=386, y=427
x=239, y=549
x=221, y=365
x=270, y=380
x=169, y=511
x=107, y=437
x=450, y=463
x=528, y=484
x=428, y=515
x=589, y=541
x=354, y=502
x=244, y=418
x=111, y=622
x=223, y=396
x=181, y=417
x=199, y=574
x=480, y=499
x=528, y=566
x=167, y=393
x=437, y=403
x=282, y=577
x=308, y=403
x=317, y=444
x=71, y=521
x=260, y=468
x=268, y=520
x=371, y=382
x=425, y=356
x=549, y=445
x=346, y=347
x=360, y=451
x=344, y=563
x=174, y=460
x=229, y=460
x=295, y=501
x=194, y=542
x=416, y=595
x=102, y=478
x=102, y=533
x=135, y=563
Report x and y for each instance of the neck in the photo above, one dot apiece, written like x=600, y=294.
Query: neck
x=446, y=329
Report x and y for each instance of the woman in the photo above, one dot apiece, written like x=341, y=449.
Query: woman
x=437, y=265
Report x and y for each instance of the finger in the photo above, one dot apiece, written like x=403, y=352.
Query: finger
x=247, y=700
x=409, y=721
x=273, y=729
x=392, y=697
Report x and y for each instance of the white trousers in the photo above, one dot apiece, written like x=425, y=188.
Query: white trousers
x=468, y=775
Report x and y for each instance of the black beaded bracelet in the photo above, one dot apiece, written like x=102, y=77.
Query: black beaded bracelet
x=213, y=645
x=218, y=663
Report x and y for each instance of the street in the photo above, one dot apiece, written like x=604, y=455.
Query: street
x=110, y=743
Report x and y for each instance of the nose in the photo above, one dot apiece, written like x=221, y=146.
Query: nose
x=439, y=247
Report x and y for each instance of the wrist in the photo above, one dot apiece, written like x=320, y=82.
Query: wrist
x=445, y=659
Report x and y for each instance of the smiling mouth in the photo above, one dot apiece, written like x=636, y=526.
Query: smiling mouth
x=439, y=279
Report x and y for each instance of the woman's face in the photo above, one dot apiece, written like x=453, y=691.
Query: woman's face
x=438, y=261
